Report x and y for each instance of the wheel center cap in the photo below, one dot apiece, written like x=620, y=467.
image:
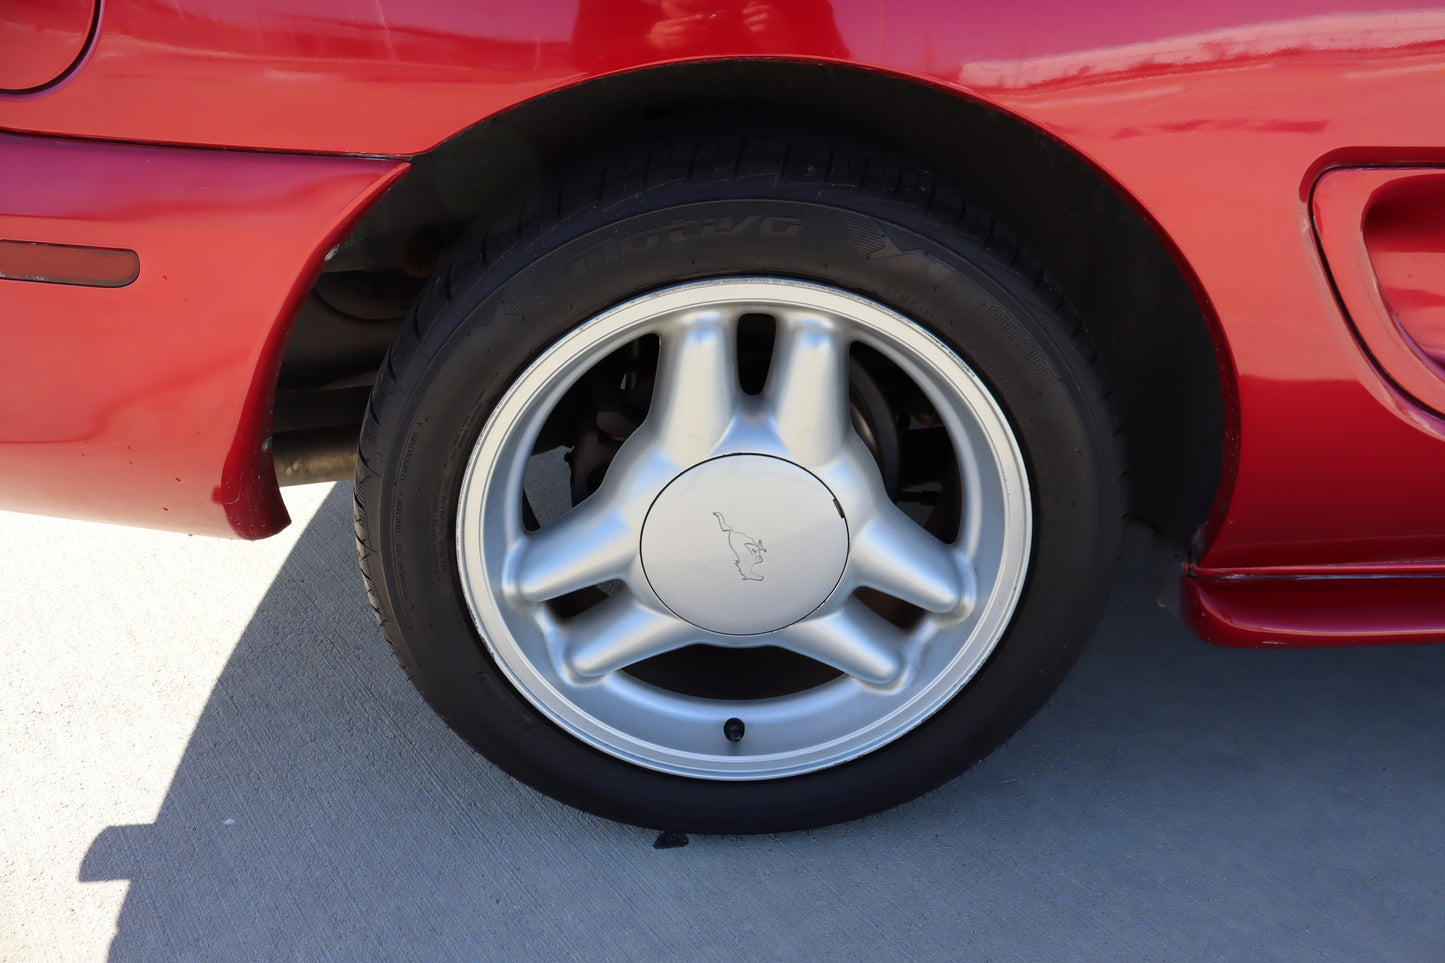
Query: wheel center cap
x=744, y=544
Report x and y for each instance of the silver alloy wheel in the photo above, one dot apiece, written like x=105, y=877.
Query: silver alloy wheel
x=741, y=520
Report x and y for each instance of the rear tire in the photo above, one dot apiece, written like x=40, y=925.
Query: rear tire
x=840, y=490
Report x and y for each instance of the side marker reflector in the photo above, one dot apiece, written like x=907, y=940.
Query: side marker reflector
x=97, y=267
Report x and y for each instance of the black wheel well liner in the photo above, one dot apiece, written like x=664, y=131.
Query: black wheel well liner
x=1114, y=269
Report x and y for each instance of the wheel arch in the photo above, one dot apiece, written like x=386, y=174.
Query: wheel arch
x=1114, y=266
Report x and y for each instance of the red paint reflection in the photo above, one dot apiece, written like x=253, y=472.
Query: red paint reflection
x=616, y=34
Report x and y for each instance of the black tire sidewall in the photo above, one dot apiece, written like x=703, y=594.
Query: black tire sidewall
x=1002, y=324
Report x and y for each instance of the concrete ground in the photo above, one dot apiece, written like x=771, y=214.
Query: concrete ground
x=206, y=753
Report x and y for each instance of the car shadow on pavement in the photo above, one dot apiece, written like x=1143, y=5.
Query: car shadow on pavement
x=1174, y=800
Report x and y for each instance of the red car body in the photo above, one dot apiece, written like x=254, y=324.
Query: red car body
x=1288, y=156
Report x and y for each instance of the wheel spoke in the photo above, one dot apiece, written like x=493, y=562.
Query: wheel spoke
x=697, y=386
x=619, y=632
x=853, y=639
x=590, y=544
x=895, y=555
x=807, y=388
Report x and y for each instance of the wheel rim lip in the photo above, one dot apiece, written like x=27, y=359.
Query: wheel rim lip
x=518, y=637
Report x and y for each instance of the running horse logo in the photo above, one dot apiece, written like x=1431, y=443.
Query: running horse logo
x=747, y=551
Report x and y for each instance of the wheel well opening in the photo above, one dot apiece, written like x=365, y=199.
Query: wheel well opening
x=1114, y=270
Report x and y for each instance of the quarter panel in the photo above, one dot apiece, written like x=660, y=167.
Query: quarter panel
x=1213, y=119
